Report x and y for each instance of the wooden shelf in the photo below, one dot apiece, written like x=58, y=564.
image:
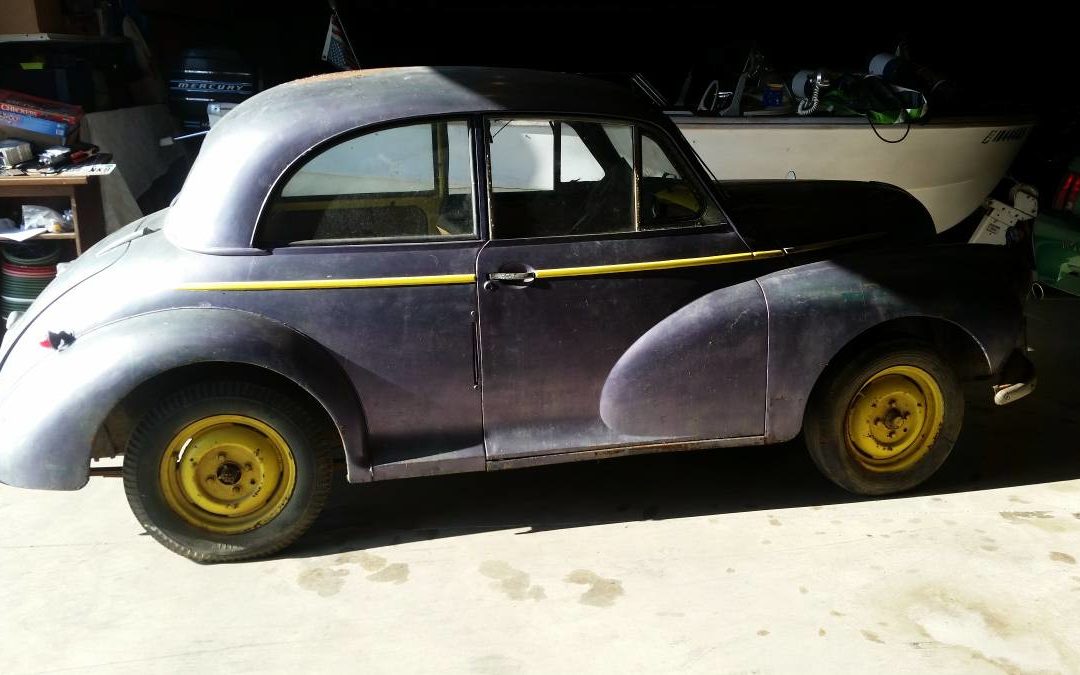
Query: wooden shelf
x=83, y=194
x=48, y=181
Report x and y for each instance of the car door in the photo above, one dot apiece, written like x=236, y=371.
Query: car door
x=376, y=236
x=617, y=306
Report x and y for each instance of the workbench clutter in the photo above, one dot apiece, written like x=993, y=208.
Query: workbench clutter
x=42, y=138
x=26, y=270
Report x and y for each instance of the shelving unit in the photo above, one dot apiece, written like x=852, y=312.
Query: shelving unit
x=83, y=193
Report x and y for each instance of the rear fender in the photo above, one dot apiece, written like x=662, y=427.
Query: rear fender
x=818, y=309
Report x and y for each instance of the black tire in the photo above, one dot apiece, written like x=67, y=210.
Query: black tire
x=825, y=423
x=308, y=439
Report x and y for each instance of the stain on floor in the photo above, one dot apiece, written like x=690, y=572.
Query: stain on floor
x=1044, y=520
x=367, y=561
x=394, y=573
x=1058, y=556
x=1000, y=636
x=495, y=664
x=380, y=571
x=511, y=581
x=602, y=592
x=1019, y=516
x=872, y=636
x=322, y=580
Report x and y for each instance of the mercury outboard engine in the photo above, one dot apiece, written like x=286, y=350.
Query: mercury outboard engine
x=206, y=76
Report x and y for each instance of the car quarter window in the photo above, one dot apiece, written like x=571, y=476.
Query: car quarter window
x=407, y=183
x=552, y=177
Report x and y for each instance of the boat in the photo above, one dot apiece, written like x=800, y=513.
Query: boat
x=950, y=165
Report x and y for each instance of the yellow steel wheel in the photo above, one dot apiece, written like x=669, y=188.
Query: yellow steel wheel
x=227, y=474
x=894, y=419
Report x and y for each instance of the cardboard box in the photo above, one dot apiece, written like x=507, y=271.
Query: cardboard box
x=44, y=16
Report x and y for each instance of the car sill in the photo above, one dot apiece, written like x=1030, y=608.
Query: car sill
x=622, y=451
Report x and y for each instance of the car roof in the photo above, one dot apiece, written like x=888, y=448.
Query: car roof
x=246, y=153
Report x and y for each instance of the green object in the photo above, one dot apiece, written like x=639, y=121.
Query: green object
x=880, y=102
x=1057, y=252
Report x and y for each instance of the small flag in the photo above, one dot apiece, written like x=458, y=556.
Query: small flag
x=336, y=50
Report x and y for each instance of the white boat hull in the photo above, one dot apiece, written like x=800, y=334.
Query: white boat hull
x=950, y=166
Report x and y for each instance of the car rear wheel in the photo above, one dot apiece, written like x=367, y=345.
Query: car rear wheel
x=227, y=470
x=886, y=420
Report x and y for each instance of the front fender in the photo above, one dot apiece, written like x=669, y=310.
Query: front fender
x=50, y=416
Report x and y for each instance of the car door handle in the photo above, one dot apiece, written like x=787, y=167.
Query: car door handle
x=513, y=277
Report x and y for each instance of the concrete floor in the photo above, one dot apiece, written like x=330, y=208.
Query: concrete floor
x=722, y=561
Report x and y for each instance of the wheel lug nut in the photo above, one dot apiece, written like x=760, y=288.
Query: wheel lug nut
x=236, y=488
x=221, y=457
x=247, y=467
x=209, y=479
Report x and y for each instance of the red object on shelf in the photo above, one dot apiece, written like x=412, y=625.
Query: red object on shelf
x=41, y=108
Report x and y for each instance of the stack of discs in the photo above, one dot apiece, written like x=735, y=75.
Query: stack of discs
x=27, y=270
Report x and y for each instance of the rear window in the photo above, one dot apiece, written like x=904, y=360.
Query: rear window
x=408, y=183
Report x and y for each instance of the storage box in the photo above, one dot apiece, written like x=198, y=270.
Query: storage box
x=44, y=16
x=35, y=129
x=42, y=108
x=39, y=120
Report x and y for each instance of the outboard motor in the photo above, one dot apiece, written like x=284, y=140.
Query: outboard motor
x=204, y=77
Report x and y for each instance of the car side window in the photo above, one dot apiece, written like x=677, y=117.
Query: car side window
x=560, y=177
x=554, y=178
x=667, y=198
x=408, y=183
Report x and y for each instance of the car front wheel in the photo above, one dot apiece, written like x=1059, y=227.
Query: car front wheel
x=227, y=470
x=886, y=420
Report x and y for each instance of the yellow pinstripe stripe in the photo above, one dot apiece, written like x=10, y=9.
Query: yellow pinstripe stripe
x=309, y=284
x=449, y=279
x=676, y=263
